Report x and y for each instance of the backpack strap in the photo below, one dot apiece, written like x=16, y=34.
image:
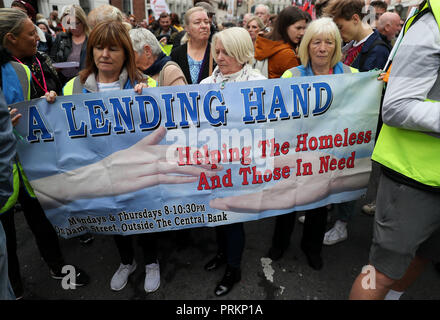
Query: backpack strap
x=378, y=42
x=162, y=72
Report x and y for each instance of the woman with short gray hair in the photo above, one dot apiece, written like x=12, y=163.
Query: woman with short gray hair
x=233, y=51
x=152, y=61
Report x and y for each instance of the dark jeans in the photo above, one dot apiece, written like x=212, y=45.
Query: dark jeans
x=230, y=241
x=44, y=233
x=313, y=233
x=147, y=242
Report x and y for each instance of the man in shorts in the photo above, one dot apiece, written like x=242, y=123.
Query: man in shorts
x=407, y=221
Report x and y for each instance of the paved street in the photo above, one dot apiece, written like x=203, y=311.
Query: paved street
x=183, y=276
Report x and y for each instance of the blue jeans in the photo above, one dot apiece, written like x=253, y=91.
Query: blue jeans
x=344, y=211
x=6, y=292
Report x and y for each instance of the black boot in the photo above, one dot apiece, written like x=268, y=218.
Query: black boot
x=314, y=259
x=215, y=262
x=232, y=276
x=437, y=266
x=275, y=253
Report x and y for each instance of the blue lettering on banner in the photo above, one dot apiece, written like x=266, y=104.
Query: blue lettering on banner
x=99, y=125
x=302, y=98
x=143, y=101
x=121, y=114
x=220, y=109
x=69, y=107
x=252, y=104
x=36, y=124
x=169, y=98
x=192, y=110
x=150, y=110
x=319, y=88
x=278, y=104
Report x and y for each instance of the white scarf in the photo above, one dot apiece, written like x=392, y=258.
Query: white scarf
x=245, y=74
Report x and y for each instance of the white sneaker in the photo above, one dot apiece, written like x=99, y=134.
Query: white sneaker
x=120, y=278
x=152, y=277
x=336, y=234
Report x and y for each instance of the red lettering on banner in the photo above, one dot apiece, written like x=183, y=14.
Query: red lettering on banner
x=328, y=163
x=304, y=142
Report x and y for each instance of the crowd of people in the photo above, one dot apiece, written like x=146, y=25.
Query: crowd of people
x=76, y=53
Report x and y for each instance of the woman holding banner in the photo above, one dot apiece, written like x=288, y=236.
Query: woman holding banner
x=233, y=52
x=111, y=65
x=19, y=63
x=320, y=53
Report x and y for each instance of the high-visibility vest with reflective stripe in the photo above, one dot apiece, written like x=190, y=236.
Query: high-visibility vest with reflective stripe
x=74, y=86
x=297, y=71
x=414, y=154
x=16, y=81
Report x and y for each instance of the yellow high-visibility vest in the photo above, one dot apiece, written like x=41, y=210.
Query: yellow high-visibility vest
x=413, y=154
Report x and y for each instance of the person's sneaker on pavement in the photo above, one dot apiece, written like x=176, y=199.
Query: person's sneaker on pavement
x=152, y=277
x=369, y=209
x=80, y=279
x=120, y=278
x=336, y=234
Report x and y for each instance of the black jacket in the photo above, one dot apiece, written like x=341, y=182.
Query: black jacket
x=51, y=76
x=62, y=47
x=180, y=56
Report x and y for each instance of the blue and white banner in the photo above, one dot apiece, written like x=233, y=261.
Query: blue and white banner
x=199, y=155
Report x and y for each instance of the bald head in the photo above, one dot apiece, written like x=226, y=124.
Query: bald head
x=389, y=25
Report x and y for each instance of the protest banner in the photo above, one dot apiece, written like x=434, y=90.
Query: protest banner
x=158, y=7
x=199, y=155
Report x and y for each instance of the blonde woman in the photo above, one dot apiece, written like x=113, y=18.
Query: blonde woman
x=194, y=56
x=70, y=46
x=233, y=52
x=254, y=26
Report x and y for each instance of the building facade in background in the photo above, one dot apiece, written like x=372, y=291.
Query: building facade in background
x=228, y=10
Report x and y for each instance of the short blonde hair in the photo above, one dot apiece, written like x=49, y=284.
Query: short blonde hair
x=322, y=26
x=105, y=12
x=237, y=43
x=259, y=22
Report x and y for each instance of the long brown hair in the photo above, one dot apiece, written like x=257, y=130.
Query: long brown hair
x=286, y=18
x=108, y=34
